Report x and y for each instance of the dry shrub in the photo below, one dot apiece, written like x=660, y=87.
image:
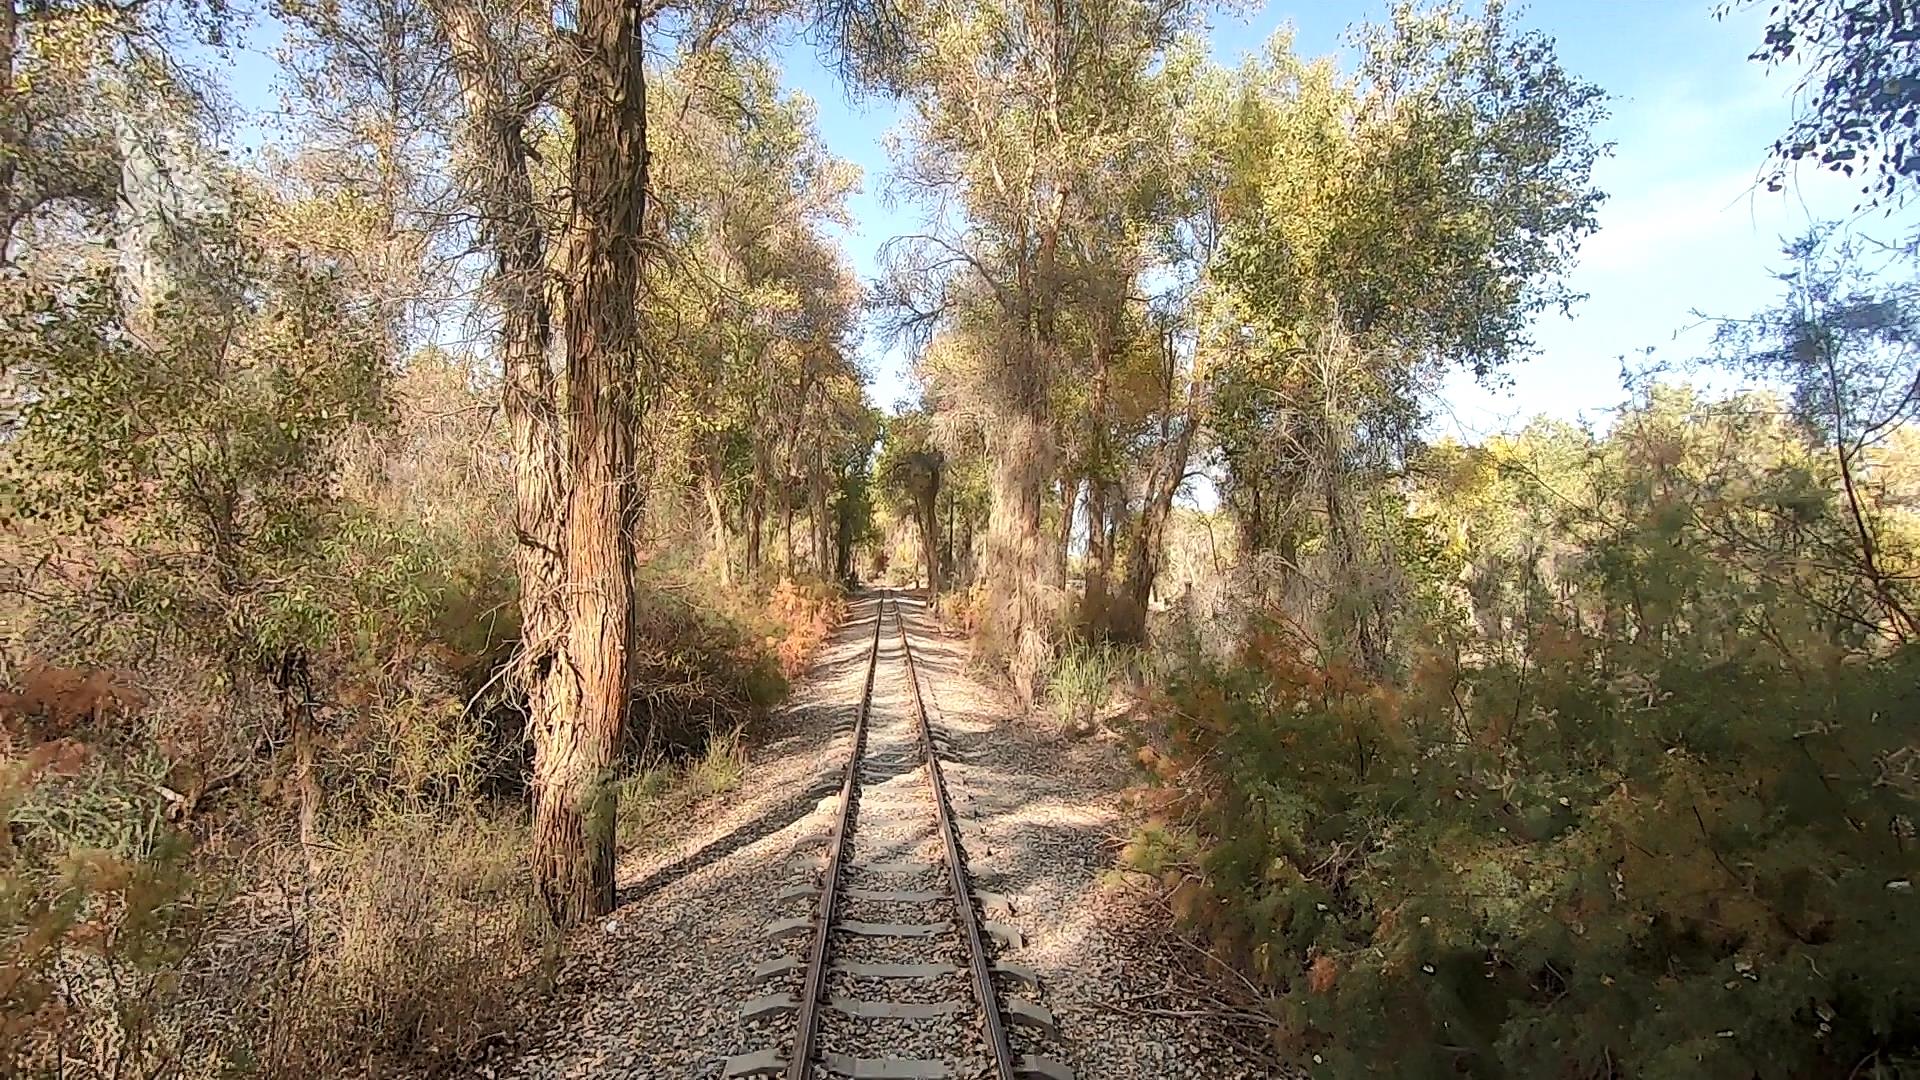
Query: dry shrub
x=56, y=701
x=803, y=614
x=962, y=610
x=98, y=917
x=420, y=942
x=697, y=670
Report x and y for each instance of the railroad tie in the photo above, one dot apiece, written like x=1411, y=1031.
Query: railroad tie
x=1018, y=973
x=782, y=929
x=892, y=1010
x=1032, y=1014
x=777, y=966
x=892, y=971
x=1006, y=933
x=1043, y=1068
x=768, y=1005
x=896, y=896
x=859, y=1068
x=768, y=1062
x=805, y=860
x=880, y=929
x=898, y=866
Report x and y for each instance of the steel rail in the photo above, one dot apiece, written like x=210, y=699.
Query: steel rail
x=806, y=1018
x=1006, y=1066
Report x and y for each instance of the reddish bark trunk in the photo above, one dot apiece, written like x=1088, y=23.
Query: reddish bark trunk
x=574, y=744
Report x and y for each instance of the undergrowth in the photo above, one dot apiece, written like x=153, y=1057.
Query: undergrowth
x=1634, y=795
x=1700, y=868
x=164, y=912
x=663, y=791
x=1080, y=683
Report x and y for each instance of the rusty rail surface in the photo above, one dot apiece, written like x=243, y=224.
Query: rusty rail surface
x=813, y=988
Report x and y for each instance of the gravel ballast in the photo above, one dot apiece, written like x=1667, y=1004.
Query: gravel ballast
x=655, y=989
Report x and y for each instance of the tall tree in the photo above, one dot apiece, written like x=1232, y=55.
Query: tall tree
x=1013, y=115
x=578, y=727
x=1382, y=231
x=504, y=77
x=909, y=473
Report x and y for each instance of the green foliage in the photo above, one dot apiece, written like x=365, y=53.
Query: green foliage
x=761, y=394
x=1380, y=231
x=1432, y=203
x=190, y=439
x=1858, y=103
x=1637, y=799
x=1565, y=878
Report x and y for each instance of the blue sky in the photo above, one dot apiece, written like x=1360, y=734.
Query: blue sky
x=1683, y=228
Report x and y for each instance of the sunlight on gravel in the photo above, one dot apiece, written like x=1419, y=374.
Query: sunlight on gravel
x=657, y=988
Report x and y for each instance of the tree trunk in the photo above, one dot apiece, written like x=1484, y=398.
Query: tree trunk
x=1093, y=600
x=717, y=520
x=1146, y=540
x=786, y=527
x=574, y=744
x=756, y=529
x=292, y=681
x=819, y=513
x=510, y=227
x=1898, y=617
x=843, y=539
x=10, y=142
x=929, y=528
x=966, y=548
x=1069, y=499
x=1015, y=626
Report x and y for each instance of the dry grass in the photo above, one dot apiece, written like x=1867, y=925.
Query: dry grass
x=664, y=791
x=122, y=954
x=421, y=944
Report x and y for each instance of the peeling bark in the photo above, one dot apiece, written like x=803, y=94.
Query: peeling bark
x=575, y=741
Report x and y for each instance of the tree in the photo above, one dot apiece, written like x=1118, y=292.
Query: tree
x=1858, y=103
x=577, y=468
x=181, y=424
x=909, y=473
x=756, y=310
x=1382, y=231
x=1016, y=110
x=1847, y=344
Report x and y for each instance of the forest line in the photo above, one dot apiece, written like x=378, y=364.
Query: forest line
x=437, y=495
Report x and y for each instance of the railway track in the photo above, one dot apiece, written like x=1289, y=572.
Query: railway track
x=899, y=972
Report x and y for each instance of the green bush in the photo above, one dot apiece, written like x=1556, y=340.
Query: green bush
x=1080, y=683
x=1633, y=796
x=1702, y=867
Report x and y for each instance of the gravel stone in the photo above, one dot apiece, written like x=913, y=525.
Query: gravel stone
x=656, y=989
